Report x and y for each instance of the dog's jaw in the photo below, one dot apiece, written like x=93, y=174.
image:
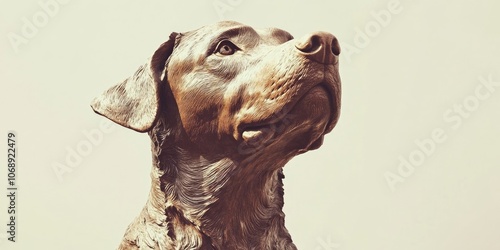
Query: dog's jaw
x=234, y=215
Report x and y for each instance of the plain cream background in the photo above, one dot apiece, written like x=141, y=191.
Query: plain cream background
x=396, y=89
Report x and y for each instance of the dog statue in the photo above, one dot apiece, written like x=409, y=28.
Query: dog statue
x=226, y=107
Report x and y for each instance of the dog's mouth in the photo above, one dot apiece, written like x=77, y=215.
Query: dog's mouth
x=316, y=104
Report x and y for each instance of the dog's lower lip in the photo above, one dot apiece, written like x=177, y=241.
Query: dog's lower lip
x=258, y=135
x=270, y=123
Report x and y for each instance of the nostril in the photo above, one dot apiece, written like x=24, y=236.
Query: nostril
x=315, y=43
x=310, y=45
x=335, y=46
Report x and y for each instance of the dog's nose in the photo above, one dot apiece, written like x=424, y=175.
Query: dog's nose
x=321, y=47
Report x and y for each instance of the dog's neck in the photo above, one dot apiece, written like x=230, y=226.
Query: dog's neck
x=213, y=203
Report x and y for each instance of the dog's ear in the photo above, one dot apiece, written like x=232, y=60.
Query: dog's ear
x=134, y=103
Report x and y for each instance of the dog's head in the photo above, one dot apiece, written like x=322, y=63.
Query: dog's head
x=235, y=90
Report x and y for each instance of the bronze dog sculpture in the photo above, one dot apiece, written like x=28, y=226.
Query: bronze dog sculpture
x=226, y=106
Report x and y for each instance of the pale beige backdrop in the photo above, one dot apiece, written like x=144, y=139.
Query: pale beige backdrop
x=413, y=163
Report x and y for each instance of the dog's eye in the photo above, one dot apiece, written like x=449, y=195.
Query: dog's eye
x=226, y=48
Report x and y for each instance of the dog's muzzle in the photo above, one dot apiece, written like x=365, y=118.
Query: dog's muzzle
x=319, y=102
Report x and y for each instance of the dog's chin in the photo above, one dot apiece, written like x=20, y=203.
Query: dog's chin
x=299, y=130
